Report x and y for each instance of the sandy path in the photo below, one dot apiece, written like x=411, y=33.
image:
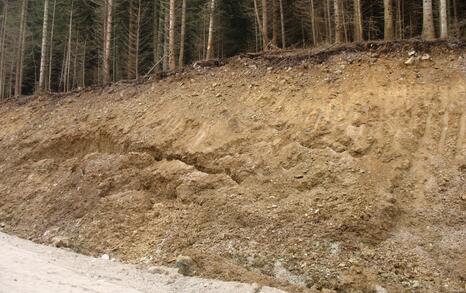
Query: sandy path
x=29, y=267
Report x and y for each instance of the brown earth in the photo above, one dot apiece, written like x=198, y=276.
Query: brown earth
x=345, y=172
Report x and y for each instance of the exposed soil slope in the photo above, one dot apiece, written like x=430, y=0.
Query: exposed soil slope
x=344, y=173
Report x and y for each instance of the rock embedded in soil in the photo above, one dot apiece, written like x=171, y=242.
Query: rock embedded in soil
x=186, y=265
x=61, y=242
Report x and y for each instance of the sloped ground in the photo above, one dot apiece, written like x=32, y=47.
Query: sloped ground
x=33, y=268
x=345, y=172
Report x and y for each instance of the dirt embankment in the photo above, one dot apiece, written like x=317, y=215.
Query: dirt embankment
x=343, y=173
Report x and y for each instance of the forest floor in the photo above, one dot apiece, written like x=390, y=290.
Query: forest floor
x=342, y=169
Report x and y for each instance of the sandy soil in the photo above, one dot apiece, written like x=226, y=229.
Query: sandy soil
x=26, y=267
x=344, y=172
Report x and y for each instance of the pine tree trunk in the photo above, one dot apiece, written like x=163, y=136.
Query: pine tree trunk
x=68, y=53
x=108, y=22
x=10, y=80
x=329, y=21
x=44, y=46
x=443, y=20
x=2, y=51
x=159, y=40
x=358, y=30
x=166, y=33
x=259, y=22
x=75, y=68
x=399, y=20
x=282, y=23
x=455, y=20
x=133, y=35
x=155, y=31
x=83, y=76
x=313, y=23
x=49, y=82
x=428, y=32
x=131, y=41
x=209, y=54
x=388, y=20
x=265, y=24
x=338, y=22
x=183, y=33
x=138, y=39
x=171, y=37
x=20, y=52
x=343, y=14
x=275, y=23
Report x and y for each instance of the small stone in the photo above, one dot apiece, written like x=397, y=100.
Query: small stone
x=105, y=257
x=412, y=53
x=325, y=290
x=380, y=289
x=60, y=241
x=425, y=57
x=186, y=265
x=2, y=225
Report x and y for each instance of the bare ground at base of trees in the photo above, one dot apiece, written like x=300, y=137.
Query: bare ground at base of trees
x=341, y=172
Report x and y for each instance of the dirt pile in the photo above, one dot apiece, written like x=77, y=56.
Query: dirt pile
x=342, y=173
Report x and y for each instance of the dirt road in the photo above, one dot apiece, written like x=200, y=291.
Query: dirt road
x=28, y=267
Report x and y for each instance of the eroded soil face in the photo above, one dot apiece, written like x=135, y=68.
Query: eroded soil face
x=344, y=175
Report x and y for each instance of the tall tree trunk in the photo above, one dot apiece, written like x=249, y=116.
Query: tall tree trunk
x=155, y=31
x=343, y=14
x=443, y=20
x=428, y=32
x=209, y=54
x=138, y=38
x=275, y=23
x=259, y=22
x=265, y=24
x=399, y=19
x=43, y=55
x=329, y=21
x=10, y=79
x=166, y=33
x=388, y=20
x=108, y=22
x=183, y=33
x=2, y=51
x=171, y=37
x=133, y=39
x=160, y=38
x=49, y=81
x=282, y=22
x=313, y=23
x=20, y=52
x=68, y=53
x=358, y=30
x=338, y=22
x=455, y=20
x=75, y=62
x=83, y=76
x=130, y=74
